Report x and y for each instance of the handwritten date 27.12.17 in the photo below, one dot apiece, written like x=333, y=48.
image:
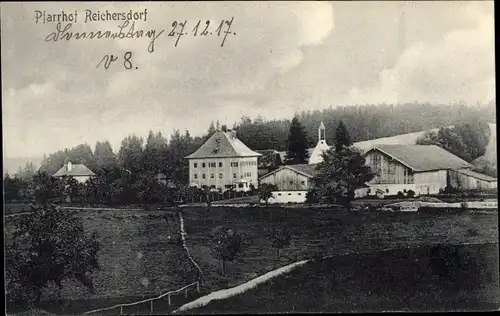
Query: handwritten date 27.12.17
x=202, y=28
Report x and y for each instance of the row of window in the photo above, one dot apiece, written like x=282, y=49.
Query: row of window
x=233, y=164
x=221, y=175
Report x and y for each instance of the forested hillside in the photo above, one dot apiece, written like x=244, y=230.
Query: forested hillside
x=363, y=122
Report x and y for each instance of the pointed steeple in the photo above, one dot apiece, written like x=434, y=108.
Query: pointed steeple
x=322, y=146
x=321, y=132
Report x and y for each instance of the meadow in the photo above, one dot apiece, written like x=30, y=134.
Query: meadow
x=140, y=258
x=421, y=279
x=321, y=232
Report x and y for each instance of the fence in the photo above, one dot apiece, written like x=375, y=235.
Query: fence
x=168, y=294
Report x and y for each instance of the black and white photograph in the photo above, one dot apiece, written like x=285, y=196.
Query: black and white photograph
x=239, y=157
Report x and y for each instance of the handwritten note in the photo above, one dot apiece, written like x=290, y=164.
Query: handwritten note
x=127, y=29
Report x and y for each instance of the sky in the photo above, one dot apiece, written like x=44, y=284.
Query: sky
x=285, y=57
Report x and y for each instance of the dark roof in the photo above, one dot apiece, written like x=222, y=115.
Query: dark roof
x=76, y=170
x=304, y=169
x=223, y=144
x=283, y=153
x=477, y=175
x=423, y=157
x=269, y=158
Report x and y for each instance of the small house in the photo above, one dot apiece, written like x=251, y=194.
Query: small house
x=79, y=172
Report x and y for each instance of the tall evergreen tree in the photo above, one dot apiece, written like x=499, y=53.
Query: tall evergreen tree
x=342, y=137
x=130, y=154
x=297, y=151
x=103, y=155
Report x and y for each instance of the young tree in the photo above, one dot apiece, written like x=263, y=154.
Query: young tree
x=297, y=143
x=280, y=238
x=266, y=191
x=48, y=246
x=340, y=173
x=226, y=245
x=46, y=187
x=342, y=137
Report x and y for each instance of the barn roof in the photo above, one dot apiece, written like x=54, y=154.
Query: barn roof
x=423, y=157
x=477, y=175
x=76, y=170
x=308, y=170
x=223, y=144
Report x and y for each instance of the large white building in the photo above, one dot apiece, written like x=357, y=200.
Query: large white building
x=223, y=162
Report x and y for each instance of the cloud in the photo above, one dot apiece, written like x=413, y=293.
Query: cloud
x=285, y=57
x=456, y=68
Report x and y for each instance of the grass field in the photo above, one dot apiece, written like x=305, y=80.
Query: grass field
x=137, y=259
x=325, y=232
x=421, y=279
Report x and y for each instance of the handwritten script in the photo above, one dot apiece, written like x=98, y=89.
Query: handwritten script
x=127, y=28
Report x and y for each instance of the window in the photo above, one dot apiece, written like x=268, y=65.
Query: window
x=196, y=176
x=212, y=186
x=240, y=185
x=195, y=165
x=212, y=164
x=299, y=193
x=289, y=193
x=291, y=181
x=212, y=176
x=369, y=191
x=234, y=175
x=404, y=190
x=302, y=182
x=221, y=175
x=234, y=164
x=220, y=164
x=203, y=176
x=386, y=190
x=279, y=194
x=203, y=165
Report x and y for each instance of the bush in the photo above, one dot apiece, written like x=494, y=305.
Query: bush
x=410, y=193
x=400, y=195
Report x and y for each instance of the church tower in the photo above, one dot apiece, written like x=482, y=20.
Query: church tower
x=321, y=147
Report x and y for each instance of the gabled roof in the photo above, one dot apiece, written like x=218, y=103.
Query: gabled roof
x=223, y=144
x=423, y=157
x=477, y=175
x=76, y=171
x=304, y=169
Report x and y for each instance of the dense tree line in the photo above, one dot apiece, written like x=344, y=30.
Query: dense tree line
x=467, y=140
x=363, y=122
x=129, y=174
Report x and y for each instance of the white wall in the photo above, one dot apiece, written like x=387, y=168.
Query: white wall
x=431, y=182
x=246, y=170
x=287, y=197
x=82, y=179
x=388, y=189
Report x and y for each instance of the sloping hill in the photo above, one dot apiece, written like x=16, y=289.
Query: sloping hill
x=403, y=139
